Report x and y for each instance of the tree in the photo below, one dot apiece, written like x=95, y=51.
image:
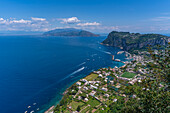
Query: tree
x=78, y=108
x=57, y=109
x=151, y=97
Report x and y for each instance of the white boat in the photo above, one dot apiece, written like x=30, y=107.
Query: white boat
x=113, y=57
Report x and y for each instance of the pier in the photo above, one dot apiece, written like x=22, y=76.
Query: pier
x=118, y=60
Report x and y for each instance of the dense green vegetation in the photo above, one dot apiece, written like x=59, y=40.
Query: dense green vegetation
x=134, y=41
x=152, y=98
x=93, y=102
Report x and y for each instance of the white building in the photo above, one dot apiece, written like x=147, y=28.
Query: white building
x=86, y=99
x=112, y=82
x=134, y=96
x=92, y=93
x=79, y=87
x=100, y=75
x=86, y=88
x=115, y=100
x=104, y=89
x=79, y=97
x=93, y=87
x=92, y=82
x=78, y=83
x=107, y=95
x=84, y=80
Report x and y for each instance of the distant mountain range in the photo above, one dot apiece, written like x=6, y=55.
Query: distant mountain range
x=70, y=32
x=134, y=41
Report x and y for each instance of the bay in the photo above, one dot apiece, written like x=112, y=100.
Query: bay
x=36, y=70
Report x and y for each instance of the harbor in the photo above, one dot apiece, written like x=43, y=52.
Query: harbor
x=128, y=55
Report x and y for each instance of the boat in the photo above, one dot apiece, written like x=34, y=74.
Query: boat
x=113, y=57
x=120, y=52
x=118, y=60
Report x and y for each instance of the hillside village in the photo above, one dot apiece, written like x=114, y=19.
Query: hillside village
x=104, y=87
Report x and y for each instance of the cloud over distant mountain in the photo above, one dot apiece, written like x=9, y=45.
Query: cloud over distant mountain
x=71, y=20
x=89, y=24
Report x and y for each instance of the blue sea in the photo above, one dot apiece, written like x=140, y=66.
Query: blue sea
x=36, y=70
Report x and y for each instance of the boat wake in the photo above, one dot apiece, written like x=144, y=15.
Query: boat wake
x=107, y=52
x=81, y=64
x=77, y=71
x=93, y=55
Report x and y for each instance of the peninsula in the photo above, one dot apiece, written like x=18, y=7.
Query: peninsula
x=134, y=41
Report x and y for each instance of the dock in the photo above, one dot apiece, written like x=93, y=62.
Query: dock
x=118, y=60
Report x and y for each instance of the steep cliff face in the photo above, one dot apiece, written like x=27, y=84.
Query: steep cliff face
x=130, y=41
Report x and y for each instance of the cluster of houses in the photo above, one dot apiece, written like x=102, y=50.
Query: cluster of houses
x=93, y=86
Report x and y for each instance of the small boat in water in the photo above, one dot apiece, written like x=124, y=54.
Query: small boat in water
x=113, y=57
x=32, y=111
x=118, y=60
x=120, y=52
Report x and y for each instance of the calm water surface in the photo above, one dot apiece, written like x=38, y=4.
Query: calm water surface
x=35, y=70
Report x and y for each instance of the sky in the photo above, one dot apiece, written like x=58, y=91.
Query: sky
x=98, y=16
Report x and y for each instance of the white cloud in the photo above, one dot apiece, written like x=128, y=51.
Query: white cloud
x=38, y=19
x=22, y=21
x=159, y=24
x=1, y=19
x=71, y=20
x=33, y=24
x=89, y=24
x=104, y=28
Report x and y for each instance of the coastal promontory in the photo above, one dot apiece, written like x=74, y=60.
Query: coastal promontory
x=134, y=41
x=70, y=32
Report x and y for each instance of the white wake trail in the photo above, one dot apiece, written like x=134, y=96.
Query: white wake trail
x=77, y=71
x=81, y=64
